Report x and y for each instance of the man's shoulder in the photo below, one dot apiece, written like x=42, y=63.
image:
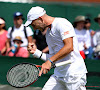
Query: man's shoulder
x=10, y=28
x=59, y=19
x=62, y=21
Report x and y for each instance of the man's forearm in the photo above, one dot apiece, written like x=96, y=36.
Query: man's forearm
x=61, y=54
x=30, y=39
x=64, y=51
x=45, y=50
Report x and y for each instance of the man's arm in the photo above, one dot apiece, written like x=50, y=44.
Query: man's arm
x=64, y=51
x=45, y=50
x=30, y=39
x=67, y=48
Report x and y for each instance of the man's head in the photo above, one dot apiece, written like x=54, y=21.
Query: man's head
x=35, y=18
x=18, y=18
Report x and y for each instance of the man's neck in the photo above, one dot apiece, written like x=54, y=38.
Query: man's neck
x=48, y=20
x=17, y=26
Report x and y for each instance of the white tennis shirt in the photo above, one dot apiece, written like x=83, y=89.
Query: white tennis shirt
x=20, y=32
x=61, y=29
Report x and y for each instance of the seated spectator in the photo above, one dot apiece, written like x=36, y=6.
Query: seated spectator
x=40, y=40
x=92, y=32
x=96, y=40
x=88, y=25
x=17, y=50
x=83, y=36
x=3, y=36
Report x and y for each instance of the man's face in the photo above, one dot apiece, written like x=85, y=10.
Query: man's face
x=38, y=24
x=18, y=20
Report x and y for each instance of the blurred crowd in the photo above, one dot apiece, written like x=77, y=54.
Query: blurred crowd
x=14, y=41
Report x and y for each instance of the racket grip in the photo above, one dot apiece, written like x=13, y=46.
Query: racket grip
x=63, y=63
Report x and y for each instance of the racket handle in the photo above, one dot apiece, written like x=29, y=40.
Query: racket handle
x=63, y=63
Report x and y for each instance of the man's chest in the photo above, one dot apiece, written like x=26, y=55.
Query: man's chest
x=53, y=38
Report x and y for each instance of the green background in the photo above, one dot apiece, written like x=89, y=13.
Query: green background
x=66, y=10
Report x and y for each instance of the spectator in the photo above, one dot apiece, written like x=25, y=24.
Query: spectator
x=96, y=39
x=40, y=40
x=92, y=32
x=88, y=25
x=82, y=35
x=19, y=30
x=17, y=50
x=3, y=36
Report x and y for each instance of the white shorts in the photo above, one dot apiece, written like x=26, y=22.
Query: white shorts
x=72, y=82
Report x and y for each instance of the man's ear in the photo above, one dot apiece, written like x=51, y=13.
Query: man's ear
x=41, y=19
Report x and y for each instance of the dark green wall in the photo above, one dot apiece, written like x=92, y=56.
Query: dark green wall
x=93, y=67
x=69, y=11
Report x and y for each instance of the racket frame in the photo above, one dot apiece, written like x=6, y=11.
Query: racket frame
x=20, y=64
x=37, y=66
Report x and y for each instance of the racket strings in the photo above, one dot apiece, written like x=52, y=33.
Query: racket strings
x=22, y=75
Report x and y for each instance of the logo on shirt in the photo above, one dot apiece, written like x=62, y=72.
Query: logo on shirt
x=67, y=32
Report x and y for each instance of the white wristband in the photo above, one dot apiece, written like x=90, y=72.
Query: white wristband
x=43, y=57
x=37, y=53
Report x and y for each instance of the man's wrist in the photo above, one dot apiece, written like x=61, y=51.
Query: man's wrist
x=41, y=55
x=52, y=64
x=50, y=60
x=38, y=53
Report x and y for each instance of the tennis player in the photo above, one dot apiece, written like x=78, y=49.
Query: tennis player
x=63, y=46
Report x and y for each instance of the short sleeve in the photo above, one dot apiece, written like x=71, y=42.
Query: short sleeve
x=9, y=30
x=66, y=31
x=29, y=31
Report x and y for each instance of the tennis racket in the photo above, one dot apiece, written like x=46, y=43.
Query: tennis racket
x=25, y=74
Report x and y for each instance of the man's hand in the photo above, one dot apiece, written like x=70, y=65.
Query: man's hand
x=31, y=48
x=45, y=67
